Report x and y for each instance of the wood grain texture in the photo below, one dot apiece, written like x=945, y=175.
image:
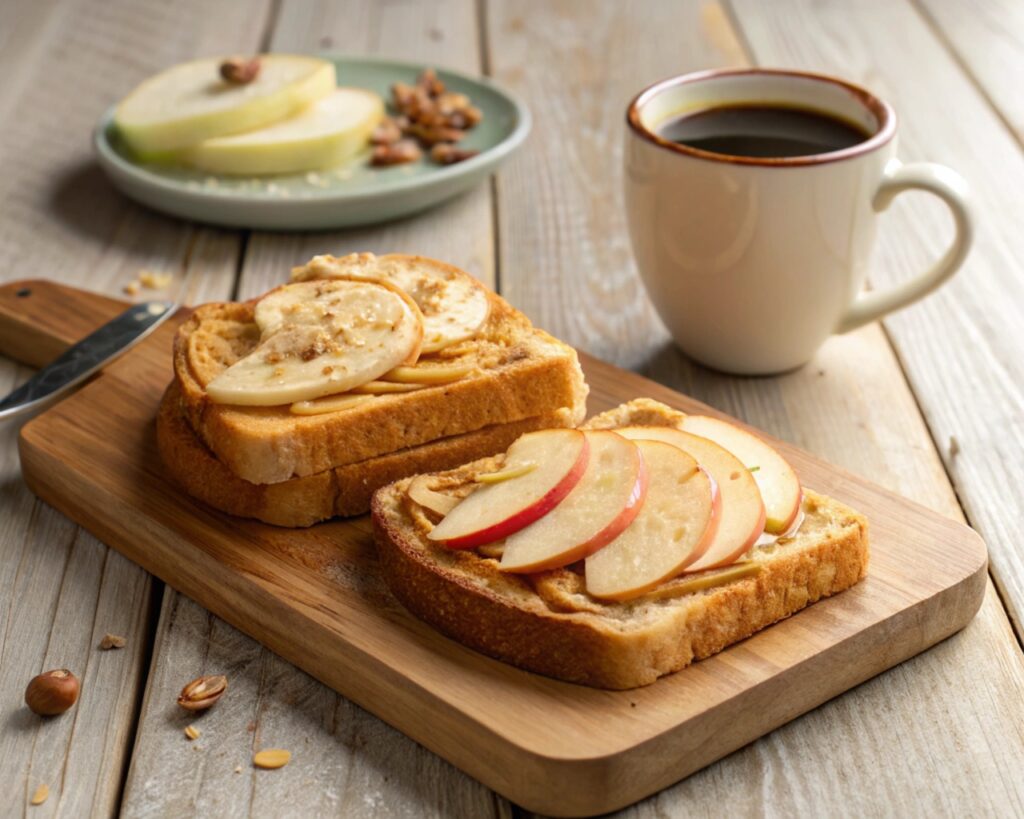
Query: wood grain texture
x=961, y=348
x=851, y=405
x=988, y=41
x=565, y=257
x=315, y=597
x=345, y=759
x=60, y=589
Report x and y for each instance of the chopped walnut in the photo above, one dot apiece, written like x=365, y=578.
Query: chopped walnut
x=448, y=154
x=387, y=133
x=405, y=150
x=428, y=113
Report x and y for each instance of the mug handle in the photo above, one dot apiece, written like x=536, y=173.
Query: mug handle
x=949, y=186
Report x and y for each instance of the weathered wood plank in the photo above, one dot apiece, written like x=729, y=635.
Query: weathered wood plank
x=344, y=759
x=963, y=348
x=565, y=260
x=988, y=40
x=60, y=589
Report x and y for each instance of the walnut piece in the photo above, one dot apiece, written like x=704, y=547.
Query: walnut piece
x=401, y=152
x=448, y=154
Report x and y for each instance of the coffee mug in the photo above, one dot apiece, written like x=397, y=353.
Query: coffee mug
x=753, y=261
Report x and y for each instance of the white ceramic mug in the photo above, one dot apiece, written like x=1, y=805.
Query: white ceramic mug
x=751, y=262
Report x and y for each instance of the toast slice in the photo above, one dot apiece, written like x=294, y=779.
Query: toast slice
x=547, y=623
x=520, y=373
x=344, y=491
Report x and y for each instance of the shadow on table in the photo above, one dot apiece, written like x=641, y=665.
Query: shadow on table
x=83, y=199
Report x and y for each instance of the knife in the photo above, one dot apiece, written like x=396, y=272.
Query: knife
x=87, y=356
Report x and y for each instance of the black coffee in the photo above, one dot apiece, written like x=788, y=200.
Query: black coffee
x=763, y=131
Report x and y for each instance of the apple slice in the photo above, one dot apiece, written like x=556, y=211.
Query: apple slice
x=678, y=520
x=437, y=502
x=190, y=102
x=779, y=485
x=604, y=502
x=322, y=135
x=498, y=510
x=743, y=512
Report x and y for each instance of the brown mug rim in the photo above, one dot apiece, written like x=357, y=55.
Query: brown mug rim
x=883, y=112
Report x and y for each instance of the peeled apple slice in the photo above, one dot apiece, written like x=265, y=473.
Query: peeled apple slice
x=321, y=338
x=323, y=135
x=189, y=103
x=454, y=306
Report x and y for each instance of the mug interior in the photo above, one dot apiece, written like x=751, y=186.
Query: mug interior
x=672, y=98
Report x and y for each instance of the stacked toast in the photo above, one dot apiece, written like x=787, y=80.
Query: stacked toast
x=296, y=406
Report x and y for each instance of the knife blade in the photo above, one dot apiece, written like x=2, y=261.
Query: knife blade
x=81, y=360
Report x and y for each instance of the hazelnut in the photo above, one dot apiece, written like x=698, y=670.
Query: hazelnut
x=202, y=692
x=239, y=70
x=52, y=692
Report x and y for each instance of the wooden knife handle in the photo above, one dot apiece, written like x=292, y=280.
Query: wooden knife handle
x=40, y=319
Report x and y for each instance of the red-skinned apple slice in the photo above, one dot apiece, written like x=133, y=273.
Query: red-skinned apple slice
x=497, y=510
x=604, y=502
x=676, y=523
x=778, y=483
x=743, y=513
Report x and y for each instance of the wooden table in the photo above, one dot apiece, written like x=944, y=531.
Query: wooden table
x=930, y=405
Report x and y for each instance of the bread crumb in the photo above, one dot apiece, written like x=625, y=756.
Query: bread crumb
x=153, y=280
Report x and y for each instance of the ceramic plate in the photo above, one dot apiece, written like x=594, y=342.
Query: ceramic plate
x=354, y=194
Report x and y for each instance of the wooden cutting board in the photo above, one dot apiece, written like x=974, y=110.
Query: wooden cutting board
x=314, y=596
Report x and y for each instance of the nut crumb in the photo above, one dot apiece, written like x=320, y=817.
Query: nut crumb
x=954, y=446
x=131, y=289
x=110, y=641
x=42, y=793
x=192, y=732
x=272, y=758
x=238, y=769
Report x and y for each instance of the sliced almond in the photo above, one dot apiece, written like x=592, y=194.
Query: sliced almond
x=506, y=474
x=716, y=577
x=428, y=375
x=331, y=403
x=272, y=758
x=384, y=388
x=42, y=793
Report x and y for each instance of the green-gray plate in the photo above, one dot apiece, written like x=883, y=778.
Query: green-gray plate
x=354, y=194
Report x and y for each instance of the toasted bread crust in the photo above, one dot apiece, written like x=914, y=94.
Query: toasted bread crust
x=344, y=491
x=526, y=374
x=572, y=637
